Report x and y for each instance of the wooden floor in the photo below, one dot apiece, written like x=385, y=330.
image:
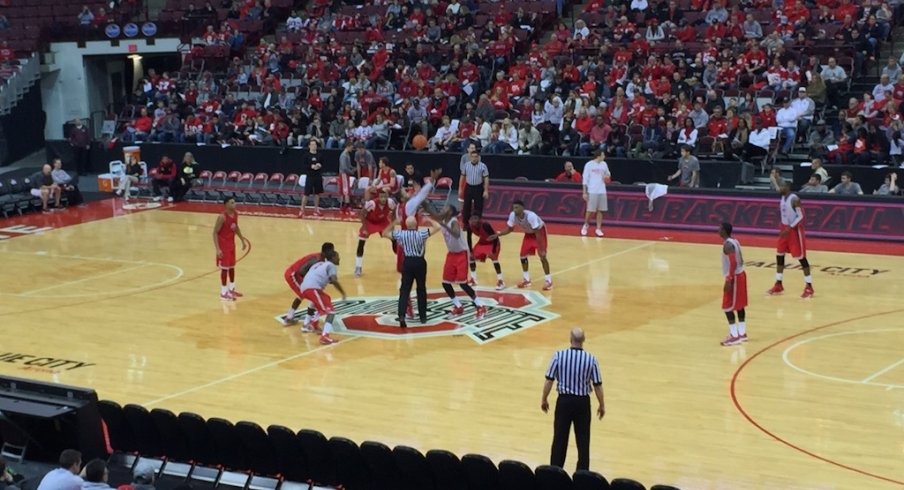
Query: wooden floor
x=814, y=400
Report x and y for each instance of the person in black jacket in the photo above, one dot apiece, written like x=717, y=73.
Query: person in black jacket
x=312, y=165
x=188, y=171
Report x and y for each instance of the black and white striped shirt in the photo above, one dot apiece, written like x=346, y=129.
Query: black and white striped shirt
x=411, y=241
x=474, y=173
x=575, y=370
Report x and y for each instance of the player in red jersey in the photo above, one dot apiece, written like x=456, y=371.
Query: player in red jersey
x=734, y=292
x=376, y=215
x=294, y=275
x=455, y=269
x=386, y=178
x=318, y=277
x=535, y=241
x=224, y=233
x=484, y=249
x=791, y=239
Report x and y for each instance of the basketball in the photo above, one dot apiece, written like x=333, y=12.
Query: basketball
x=419, y=142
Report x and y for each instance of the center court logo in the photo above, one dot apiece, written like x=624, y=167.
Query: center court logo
x=134, y=206
x=507, y=313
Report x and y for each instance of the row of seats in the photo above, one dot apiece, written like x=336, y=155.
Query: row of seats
x=244, y=454
x=16, y=197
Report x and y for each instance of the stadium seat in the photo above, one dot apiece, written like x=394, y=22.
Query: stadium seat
x=515, y=475
x=290, y=457
x=260, y=456
x=147, y=438
x=320, y=460
x=552, y=478
x=626, y=484
x=197, y=438
x=447, y=471
x=7, y=200
x=271, y=193
x=480, y=472
x=663, y=487
x=413, y=467
x=381, y=464
x=173, y=443
x=119, y=432
x=589, y=480
x=228, y=444
x=351, y=469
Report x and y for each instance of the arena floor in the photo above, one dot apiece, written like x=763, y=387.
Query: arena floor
x=126, y=302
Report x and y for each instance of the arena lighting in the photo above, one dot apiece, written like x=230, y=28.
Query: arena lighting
x=134, y=57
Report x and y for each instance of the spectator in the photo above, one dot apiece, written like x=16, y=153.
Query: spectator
x=7, y=482
x=698, y=116
x=804, y=106
x=4, y=23
x=144, y=476
x=818, y=169
x=293, y=23
x=688, y=135
x=163, y=177
x=717, y=14
x=443, y=137
x=814, y=185
x=775, y=179
x=80, y=142
x=569, y=174
x=312, y=165
x=752, y=29
x=186, y=173
x=96, y=476
x=528, y=139
x=835, y=79
x=131, y=175
x=819, y=139
x=85, y=17
x=364, y=159
x=508, y=139
x=889, y=187
x=847, y=187
x=379, y=133
x=66, y=184
x=45, y=188
x=417, y=116
x=892, y=69
x=738, y=139
x=883, y=86
x=66, y=476
x=787, y=118
x=688, y=169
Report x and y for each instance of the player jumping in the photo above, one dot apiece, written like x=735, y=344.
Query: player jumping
x=224, y=233
x=734, y=292
x=535, y=241
x=484, y=249
x=791, y=239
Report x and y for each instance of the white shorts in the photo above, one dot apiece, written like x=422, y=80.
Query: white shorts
x=597, y=202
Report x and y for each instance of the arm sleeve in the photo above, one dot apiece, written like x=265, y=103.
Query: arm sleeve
x=553, y=370
x=595, y=377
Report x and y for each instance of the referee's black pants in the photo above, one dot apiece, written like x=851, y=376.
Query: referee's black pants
x=413, y=269
x=571, y=409
x=473, y=202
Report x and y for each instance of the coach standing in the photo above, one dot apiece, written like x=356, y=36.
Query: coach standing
x=80, y=141
x=575, y=370
x=414, y=267
x=476, y=178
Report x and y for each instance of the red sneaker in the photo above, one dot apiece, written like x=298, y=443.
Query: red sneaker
x=776, y=288
x=524, y=284
x=226, y=297
x=547, y=286
x=472, y=282
x=500, y=285
x=808, y=292
x=481, y=312
x=317, y=212
x=301, y=214
x=743, y=337
x=410, y=311
x=286, y=321
x=730, y=341
x=457, y=311
x=235, y=294
x=327, y=340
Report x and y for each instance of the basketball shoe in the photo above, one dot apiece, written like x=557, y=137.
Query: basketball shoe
x=776, y=288
x=524, y=284
x=235, y=294
x=327, y=340
x=226, y=297
x=808, y=292
x=481, y=312
x=584, y=230
x=357, y=272
x=547, y=286
x=743, y=337
x=500, y=285
x=730, y=341
x=286, y=321
x=317, y=212
x=457, y=311
x=472, y=282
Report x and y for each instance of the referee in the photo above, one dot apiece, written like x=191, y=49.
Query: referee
x=476, y=178
x=414, y=267
x=575, y=370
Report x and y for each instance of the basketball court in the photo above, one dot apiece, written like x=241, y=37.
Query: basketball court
x=126, y=302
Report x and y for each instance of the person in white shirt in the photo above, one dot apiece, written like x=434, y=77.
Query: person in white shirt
x=293, y=23
x=555, y=110
x=66, y=476
x=484, y=131
x=443, y=136
x=786, y=118
x=535, y=241
x=805, y=108
x=883, y=86
x=580, y=28
x=640, y=5
x=596, y=173
x=752, y=29
x=508, y=139
x=757, y=143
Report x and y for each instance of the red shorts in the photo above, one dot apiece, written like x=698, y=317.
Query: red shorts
x=227, y=261
x=534, y=243
x=484, y=251
x=371, y=229
x=293, y=283
x=345, y=184
x=455, y=270
x=322, y=301
x=736, y=299
x=795, y=242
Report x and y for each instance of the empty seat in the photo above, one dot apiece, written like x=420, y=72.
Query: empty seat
x=260, y=455
x=229, y=450
x=171, y=437
x=290, y=457
x=121, y=437
x=317, y=452
x=480, y=472
x=553, y=478
x=626, y=484
x=413, y=467
x=351, y=469
x=197, y=438
x=147, y=439
x=446, y=469
x=589, y=480
x=663, y=487
x=381, y=464
x=515, y=475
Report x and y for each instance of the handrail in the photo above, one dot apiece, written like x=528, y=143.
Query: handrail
x=29, y=71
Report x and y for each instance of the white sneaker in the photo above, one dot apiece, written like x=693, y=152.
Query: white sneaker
x=583, y=231
x=157, y=198
x=599, y=232
x=169, y=199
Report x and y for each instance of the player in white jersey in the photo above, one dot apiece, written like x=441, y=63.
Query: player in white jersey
x=734, y=292
x=312, y=288
x=596, y=174
x=534, y=241
x=455, y=269
x=791, y=239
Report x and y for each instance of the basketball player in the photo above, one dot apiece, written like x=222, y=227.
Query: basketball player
x=484, y=249
x=348, y=168
x=734, y=293
x=376, y=215
x=312, y=288
x=596, y=173
x=386, y=178
x=455, y=270
x=224, y=233
x=534, y=242
x=791, y=239
x=294, y=275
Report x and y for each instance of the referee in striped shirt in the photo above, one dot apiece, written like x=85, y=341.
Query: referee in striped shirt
x=476, y=178
x=414, y=268
x=576, y=371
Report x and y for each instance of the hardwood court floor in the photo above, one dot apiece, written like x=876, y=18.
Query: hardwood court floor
x=132, y=303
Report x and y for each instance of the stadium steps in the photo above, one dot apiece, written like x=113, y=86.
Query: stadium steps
x=19, y=85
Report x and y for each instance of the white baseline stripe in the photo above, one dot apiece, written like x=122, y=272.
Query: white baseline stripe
x=882, y=371
x=84, y=279
x=605, y=257
x=247, y=371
